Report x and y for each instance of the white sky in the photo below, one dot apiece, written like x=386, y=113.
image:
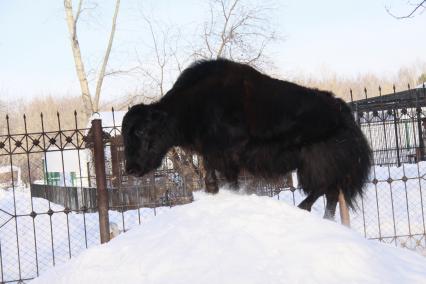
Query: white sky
x=348, y=37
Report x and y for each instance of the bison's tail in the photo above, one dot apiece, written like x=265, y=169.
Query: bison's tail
x=359, y=158
x=340, y=162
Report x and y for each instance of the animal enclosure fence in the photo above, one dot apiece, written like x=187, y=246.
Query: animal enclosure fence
x=55, y=209
x=64, y=201
x=393, y=208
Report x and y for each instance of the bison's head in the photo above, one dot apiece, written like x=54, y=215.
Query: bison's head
x=145, y=138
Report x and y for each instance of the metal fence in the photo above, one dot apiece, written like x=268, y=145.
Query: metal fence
x=62, y=190
x=36, y=233
x=393, y=208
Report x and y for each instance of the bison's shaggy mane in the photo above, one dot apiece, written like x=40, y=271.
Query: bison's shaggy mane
x=239, y=119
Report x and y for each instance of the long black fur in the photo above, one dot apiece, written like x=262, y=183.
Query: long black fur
x=240, y=119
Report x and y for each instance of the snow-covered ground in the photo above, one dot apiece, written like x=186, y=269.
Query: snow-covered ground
x=391, y=207
x=49, y=240
x=387, y=210
x=231, y=238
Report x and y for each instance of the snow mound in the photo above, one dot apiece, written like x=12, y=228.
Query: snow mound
x=231, y=238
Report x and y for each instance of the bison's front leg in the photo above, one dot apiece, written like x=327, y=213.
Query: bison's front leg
x=211, y=181
x=210, y=178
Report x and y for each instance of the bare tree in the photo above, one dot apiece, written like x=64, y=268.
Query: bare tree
x=417, y=8
x=3, y=112
x=160, y=36
x=236, y=30
x=91, y=103
x=165, y=57
x=239, y=30
x=421, y=79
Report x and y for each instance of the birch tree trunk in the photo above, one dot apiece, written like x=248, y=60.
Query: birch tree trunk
x=106, y=57
x=79, y=65
x=91, y=105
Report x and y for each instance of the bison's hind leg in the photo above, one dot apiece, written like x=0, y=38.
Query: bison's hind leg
x=332, y=197
x=231, y=177
x=234, y=185
x=307, y=203
x=330, y=208
x=318, y=175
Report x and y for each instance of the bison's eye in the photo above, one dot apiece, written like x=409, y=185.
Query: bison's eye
x=139, y=133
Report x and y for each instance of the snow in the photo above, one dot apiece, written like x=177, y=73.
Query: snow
x=7, y=169
x=57, y=238
x=387, y=210
x=232, y=238
x=109, y=118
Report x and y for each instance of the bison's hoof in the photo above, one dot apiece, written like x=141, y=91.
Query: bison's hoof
x=212, y=188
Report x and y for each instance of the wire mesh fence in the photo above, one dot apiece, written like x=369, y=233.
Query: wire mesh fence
x=392, y=209
x=36, y=233
x=49, y=190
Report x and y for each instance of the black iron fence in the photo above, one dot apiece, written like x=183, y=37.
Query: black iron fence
x=53, y=204
x=393, y=208
x=56, y=201
x=394, y=124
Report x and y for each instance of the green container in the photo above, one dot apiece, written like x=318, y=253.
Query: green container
x=73, y=177
x=53, y=178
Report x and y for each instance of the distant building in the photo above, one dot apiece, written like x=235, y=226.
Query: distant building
x=66, y=168
x=9, y=173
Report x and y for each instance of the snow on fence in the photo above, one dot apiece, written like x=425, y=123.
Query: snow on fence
x=54, y=213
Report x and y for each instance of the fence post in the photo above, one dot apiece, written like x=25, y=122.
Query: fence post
x=395, y=124
x=102, y=193
x=344, y=211
x=421, y=153
x=421, y=149
x=89, y=182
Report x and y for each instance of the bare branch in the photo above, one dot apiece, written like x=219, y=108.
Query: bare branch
x=237, y=31
x=224, y=35
x=259, y=53
x=80, y=9
x=208, y=32
x=78, y=13
x=411, y=14
x=75, y=46
x=120, y=72
x=105, y=61
x=161, y=60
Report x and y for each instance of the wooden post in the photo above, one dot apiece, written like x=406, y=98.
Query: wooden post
x=102, y=193
x=89, y=182
x=395, y=124
x=420, y=151
x=344, y=211
x=115, y=163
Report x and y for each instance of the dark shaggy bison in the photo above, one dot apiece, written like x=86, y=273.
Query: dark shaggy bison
x=237, y=119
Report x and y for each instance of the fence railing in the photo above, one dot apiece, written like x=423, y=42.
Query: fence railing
x=49, y=186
